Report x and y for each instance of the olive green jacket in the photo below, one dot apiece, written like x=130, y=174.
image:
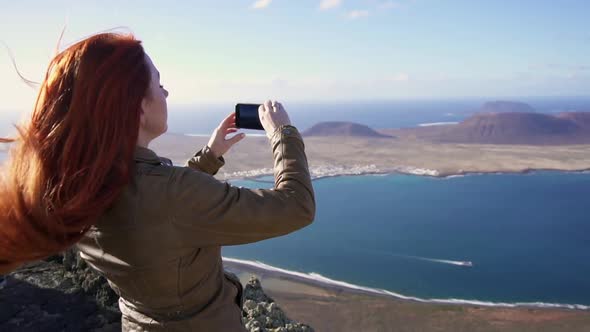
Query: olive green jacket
x=159, y=245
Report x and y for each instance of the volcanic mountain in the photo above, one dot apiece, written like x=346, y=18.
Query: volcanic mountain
x=342, y=129
x=503, y=106
x=502, y=122
x=520, y=128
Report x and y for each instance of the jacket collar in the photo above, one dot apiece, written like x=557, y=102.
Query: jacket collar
x=145, y=155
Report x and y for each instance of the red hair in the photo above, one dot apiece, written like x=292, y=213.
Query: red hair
x=74, y=156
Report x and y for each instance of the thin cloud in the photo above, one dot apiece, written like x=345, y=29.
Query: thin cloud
x=329, y=4
x=556, y=67
x=356, y=14
x=402, y=77
x=388, y=5
x=261, y=4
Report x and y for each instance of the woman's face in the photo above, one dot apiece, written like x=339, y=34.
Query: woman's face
x=154, y=115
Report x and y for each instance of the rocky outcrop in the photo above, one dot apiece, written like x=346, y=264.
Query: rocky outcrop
x=261, y=313
x=63, y=294
x=60, y=294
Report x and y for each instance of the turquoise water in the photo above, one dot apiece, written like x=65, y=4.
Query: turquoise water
x=528, y=236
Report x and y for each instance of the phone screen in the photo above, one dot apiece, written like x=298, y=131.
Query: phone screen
x=247, y=116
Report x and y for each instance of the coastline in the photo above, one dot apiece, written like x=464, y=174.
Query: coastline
x=342, y=156
x=263, y=271
x=330, y=305
x=316, y=174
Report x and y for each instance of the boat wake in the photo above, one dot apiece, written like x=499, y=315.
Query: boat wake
x=443, y=261
x=427, y=259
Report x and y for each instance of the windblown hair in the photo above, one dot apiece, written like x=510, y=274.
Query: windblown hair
x=74, y=156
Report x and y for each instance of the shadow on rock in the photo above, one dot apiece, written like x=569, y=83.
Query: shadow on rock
x=38, y=298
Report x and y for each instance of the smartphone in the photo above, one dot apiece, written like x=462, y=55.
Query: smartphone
x=247, y=116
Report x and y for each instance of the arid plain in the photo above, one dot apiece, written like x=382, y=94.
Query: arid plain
x=332, y=156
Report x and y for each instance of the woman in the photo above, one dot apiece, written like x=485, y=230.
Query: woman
x=82, y=173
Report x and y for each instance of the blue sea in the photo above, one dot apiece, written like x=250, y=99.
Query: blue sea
x=528, y=236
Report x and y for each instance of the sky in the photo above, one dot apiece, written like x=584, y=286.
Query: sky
x=318, y=50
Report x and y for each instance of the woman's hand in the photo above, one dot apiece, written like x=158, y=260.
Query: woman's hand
x=218, y=144
x=272, y=115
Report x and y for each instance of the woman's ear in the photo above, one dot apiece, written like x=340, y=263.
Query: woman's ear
x=142, y=119
x=144, y=105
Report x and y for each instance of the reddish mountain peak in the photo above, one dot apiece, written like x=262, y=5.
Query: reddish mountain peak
x=582, y=119
x=520, y=128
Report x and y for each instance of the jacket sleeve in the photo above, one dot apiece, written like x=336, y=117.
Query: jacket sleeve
x=208, y=212
x=205, y=161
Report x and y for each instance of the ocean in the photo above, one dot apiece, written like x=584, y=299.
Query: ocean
x=527, y=237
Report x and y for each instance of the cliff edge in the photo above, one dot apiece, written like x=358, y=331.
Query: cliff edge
x=62, y=293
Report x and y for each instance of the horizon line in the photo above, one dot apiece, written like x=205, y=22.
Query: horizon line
x=362, y=100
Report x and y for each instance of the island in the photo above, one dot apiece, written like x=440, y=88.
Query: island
x=483, y=143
